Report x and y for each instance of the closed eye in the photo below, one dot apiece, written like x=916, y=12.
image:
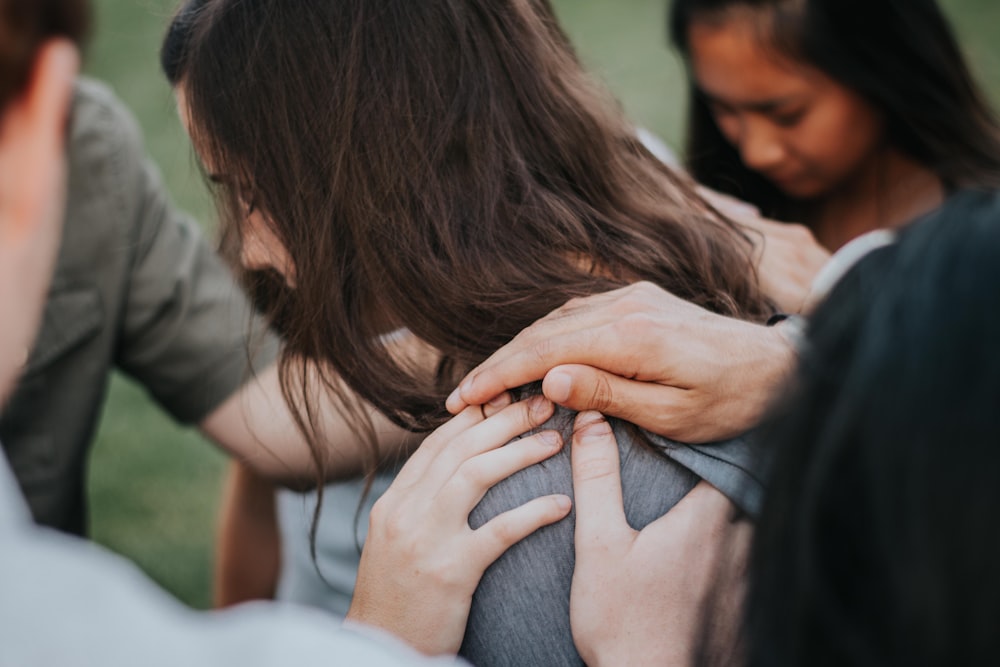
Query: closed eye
x=788, y=118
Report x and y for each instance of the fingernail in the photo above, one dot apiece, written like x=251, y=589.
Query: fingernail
x=496, y=404
x=550, y=439
x=563, y=502
x=501, y=401
x=540, y=407
x=558, y=386
x=591, y=426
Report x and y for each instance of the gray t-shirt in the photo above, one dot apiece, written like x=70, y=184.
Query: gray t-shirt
x=520, y=612
x=327, y=582
x=136, y=287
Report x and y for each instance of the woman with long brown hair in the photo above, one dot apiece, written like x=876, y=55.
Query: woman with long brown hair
x=445, y=169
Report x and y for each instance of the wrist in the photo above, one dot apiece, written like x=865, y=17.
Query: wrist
x=677, y=657
x=793, y=329
x=766, y=359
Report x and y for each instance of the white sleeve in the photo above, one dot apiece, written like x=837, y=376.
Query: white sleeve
x=67, y=602
x=658, y=147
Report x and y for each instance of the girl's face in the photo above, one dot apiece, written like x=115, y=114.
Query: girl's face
x=260, y=247
x=794, y=125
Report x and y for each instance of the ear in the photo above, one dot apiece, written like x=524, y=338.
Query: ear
x=32, y=143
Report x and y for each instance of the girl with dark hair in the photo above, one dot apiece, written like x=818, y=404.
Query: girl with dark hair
x=847, y=115
x=407, y=186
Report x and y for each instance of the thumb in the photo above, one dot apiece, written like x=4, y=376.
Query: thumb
x=648, y=405
x=597, y=483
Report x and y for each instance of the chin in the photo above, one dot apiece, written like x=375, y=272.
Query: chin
x=802, y=189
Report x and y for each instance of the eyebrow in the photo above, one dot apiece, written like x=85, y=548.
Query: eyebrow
x=762, y=106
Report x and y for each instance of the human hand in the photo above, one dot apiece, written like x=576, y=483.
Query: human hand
x=422, y=562
x=641, y=354
x=790, y=260
x=639, y=597
x=789, y=256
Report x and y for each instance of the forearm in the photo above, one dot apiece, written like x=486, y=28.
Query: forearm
x=248, y=547
x=258, y=427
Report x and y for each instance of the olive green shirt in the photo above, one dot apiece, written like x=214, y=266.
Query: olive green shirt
x=136, y=288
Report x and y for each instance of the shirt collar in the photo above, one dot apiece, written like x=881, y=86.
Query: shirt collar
x=14, y=511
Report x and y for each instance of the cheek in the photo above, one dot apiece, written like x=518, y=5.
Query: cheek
x=261, y=249
x=729, y=126
x=255, y=253
x=840, y=137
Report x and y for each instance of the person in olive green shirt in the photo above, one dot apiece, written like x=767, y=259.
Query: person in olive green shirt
x=138, y=288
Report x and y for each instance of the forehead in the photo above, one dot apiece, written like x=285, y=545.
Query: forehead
x=180, y=97
x=184, y=111
x=731, y=62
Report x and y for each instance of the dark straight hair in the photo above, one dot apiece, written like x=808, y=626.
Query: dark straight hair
x=444, y=166
x=24, y=26
x=899, y=55
x=877, y=543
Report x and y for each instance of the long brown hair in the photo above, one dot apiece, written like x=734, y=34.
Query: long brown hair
x=444, y=166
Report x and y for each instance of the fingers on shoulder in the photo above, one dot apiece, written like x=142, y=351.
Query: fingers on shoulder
x=509, y=528
x=501, y=419
x=595, y=450
x=478, y=474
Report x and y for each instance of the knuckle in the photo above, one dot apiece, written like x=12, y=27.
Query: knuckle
x=601, y=395
x=538, y=410
x=644, y=288
x=526, y=336
x=629, y=302
x=446, y=570
x=623, y=328
x=594, y=468
x=635, y=322
x=474, y=473
x=503, y=531
x=641, y=331
x=541, y=351
x=388, y=523
x=644, y=294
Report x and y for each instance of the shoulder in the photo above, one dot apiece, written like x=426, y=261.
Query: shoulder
x=101, y=124
x=106, y=152
x=107, y=165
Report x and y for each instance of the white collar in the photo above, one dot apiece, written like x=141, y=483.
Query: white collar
x=14, y=513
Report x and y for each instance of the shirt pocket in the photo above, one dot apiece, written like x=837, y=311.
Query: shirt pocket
x=72, y=317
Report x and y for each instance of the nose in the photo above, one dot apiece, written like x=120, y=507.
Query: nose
x=261, y=249
x=255, y=255
x=760, y=146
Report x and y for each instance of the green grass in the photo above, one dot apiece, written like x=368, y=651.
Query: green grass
x=154, y=486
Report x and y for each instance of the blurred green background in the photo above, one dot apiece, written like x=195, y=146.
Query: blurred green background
x=154, y=486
